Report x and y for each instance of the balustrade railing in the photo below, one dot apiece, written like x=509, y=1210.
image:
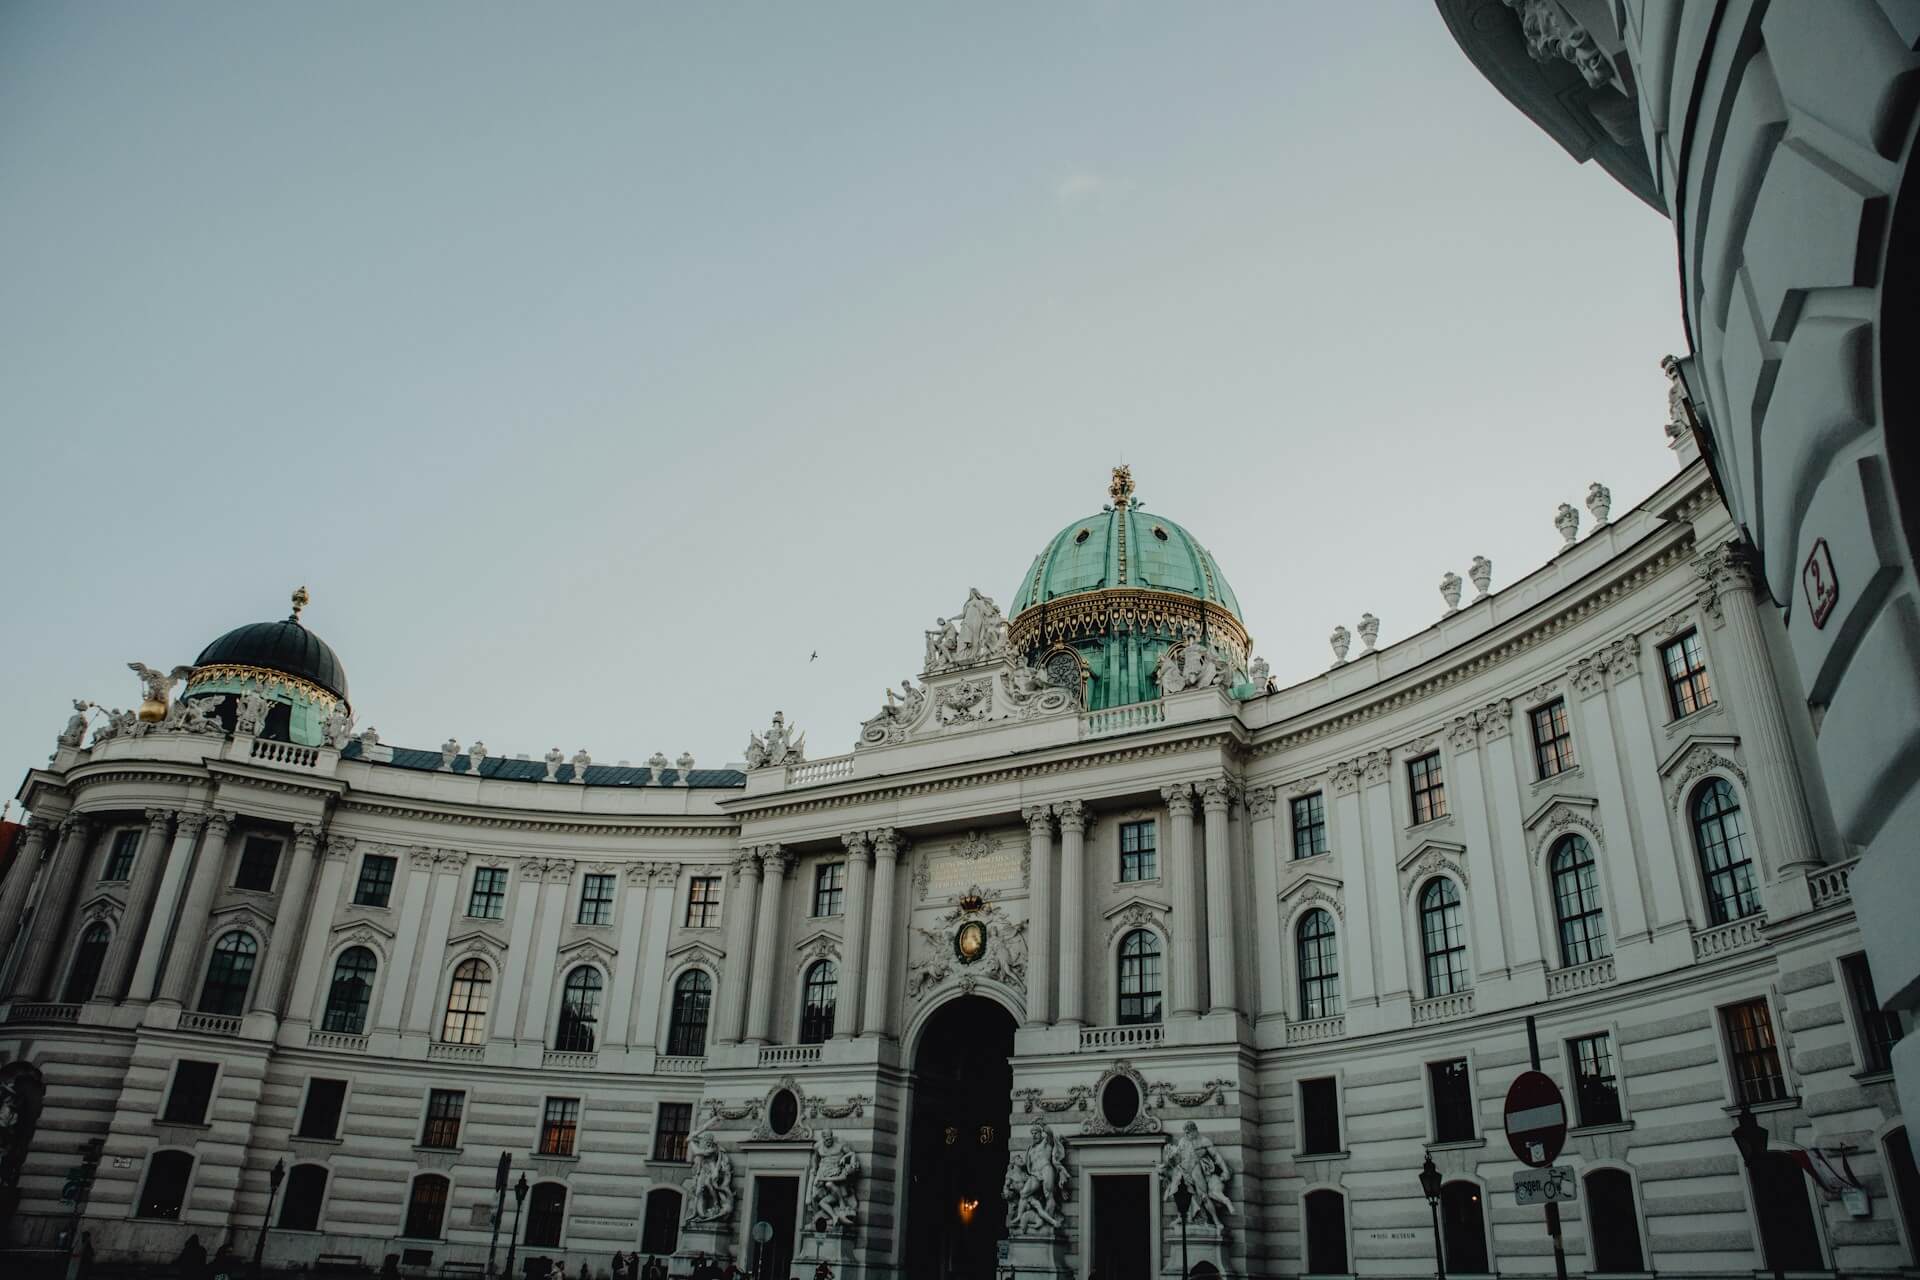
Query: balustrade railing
x=1140, y=715
x=42, y=1012
x=1317, y=1029
x=1128, y=1037
x=1564, y=982
x=1737, y=936
x=284, y=753
x=1829, y=884
x=830, y=769
x=569, y=1060
x=1441, y=1008
x=339, y=1040
x=679, y=1066
x=788, y=1055
x=213, y=1024
x=456, y=1052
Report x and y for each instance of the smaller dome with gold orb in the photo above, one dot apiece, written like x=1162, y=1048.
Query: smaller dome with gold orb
x=282, y=661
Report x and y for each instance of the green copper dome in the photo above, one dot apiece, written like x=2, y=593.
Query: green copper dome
x=1111, y=593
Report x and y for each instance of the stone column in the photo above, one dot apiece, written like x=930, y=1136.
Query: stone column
x=633, y=913
x=1269, y=944
x=292, y=911
x=663, y=881
x=742, y=897
x=117, y=968
x=558, y=876
x=46, y=939
x=1504, y=788
x=1349, y=846
x=313, y=950
x=1183, y=876
x=1659, y=860
x=159, y=930
x=391, y=1012
x=877, y=1020
x=419, y=971
x=1074, y=821
x=1629, y=922
x=768, y=973
x=1389, y=920
x=19, y=882
x=1469, y=795
x=176, y=983
x=1222, y=972
x=1041, y=912
x=1782, y=830
x=503, y=1021
x=853, y=936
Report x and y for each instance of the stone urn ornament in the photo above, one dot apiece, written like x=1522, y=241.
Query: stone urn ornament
x=1341, y=639
x=448, y=750
x=476, y=756
x=1450, y=591
x=1567, y=521
x=1599, y=502
x=1369, y=631
x=1481, y=571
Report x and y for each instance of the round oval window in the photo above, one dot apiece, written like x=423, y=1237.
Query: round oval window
x=783, y=1113
x=1120, y=1102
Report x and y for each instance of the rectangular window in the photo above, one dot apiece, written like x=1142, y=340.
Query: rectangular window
x=259, y=859
x=1596, y=1089
x=559, y=1126
x=120, y=860
x=1686, y=667
x=703, y=902
x=1309, y=825
x=1552, y=739
x=375, y=885
x=1429, y=788
x=1452, y=1101
x=670, y=1135
x=1139, y=851
x=1319, y=1117
x=489, y=897
x=1879, y=1029
x=320, y=1118
x=829, y=888
x=1756, y=1059
x=192, y=1092
x=444, y=1109
x=596, y=900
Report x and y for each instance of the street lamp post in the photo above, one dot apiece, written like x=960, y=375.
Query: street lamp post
x=499, y=1205
x=1751, y=1137
x=1430, y=1186
x=274, y=1176
x=1182, y=1201
x=519, y=1199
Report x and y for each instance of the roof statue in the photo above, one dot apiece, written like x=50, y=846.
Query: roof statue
x=777, y=747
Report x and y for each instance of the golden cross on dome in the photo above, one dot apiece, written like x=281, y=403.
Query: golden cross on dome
x=300, y=599
x=1121, y=490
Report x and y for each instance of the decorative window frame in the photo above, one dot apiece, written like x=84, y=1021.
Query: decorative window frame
x=342, y=940
x=1782, y=1048
x=326, y=1196
x=458, y=953
x=186, y=1190
x=108, y=836
x=702, y=959
x=585, y=954
x=821, y=948
x=213, y=1094
x=1346, y=1216
x=420, y=1120
x=340, y=1123
x=1109, y=849
x=1123, y=924
x=235, y=919
x=577, y=896
x=243, y=831
x=1479, y=1137
x=101, y=911
x=1310, y=893
x=1299, y=1153
x=1611, y=1164
x=1610, y=1029
x=406, y=1203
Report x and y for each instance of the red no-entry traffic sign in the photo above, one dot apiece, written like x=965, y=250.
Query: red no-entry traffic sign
x=1536, y=1118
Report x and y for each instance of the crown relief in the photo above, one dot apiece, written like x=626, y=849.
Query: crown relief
x=1561, y=820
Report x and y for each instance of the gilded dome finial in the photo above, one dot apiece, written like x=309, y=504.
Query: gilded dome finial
x=1121, y=490
x=300, y=599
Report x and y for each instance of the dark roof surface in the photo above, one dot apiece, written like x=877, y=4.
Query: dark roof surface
x=283, y=646
x=599, y=775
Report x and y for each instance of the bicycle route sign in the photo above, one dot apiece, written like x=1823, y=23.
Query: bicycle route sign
x=1536, y=1117
x=1543, y=1186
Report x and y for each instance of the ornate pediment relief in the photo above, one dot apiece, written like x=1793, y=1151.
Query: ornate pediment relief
x=1697, y=758
x=1311, y=883
x=1558, y=800
x=589, y=949
x=477, y=942
x=696, y=950
x=1724, y=745
x=242, y=915
x=1427, y=849
x=101, y=906
x=821, y=944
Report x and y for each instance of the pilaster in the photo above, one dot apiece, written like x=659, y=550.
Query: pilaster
x=1223, y=987
x=1269, y=942
x=148, y=867
x=1074, y=821
x=775, y=863
x=1040, y=923
x=853, y=935
x=1183, y=875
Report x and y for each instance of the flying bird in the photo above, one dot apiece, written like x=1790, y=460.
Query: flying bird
x=816, y=654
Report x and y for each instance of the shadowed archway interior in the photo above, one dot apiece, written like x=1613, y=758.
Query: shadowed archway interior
x=962, y=1109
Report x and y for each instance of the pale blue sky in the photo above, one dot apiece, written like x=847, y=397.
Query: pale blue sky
x=593, y=365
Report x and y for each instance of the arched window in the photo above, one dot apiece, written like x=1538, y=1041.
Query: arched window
x=1905, y=1180
x=166, y=1187
x=660, y=1232
x=351, y=992
x=1443, y=938
x=300, y=1202
x=1319, y=964
x=1576, y=902
x=1720, y=838
x=467, y=1000
x=426, y=1207
x=816, y=1015
x=1463, y=1228
x=579, y=1010
x=228, y=975
x=687, y=1023
x=1326, y=1213
x=546, y=1212
x=1612, y=1225
x=83, y=975
x=1139, y=977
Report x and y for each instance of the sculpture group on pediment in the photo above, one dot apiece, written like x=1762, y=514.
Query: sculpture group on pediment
x=1191, y=664
x=901, y=711
x=76, y=731
x=962, y=703
x=156, y=688
x=977, y=635
x=250, y=712
x=195, y=715
x=779, y=746
x=337, y=728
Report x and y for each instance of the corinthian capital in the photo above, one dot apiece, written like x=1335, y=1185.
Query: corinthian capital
x=306, y=835
x=775, y=859
x=1216, y=794
x=859, y=843
x=1073, y=816
x=157, y=818
x=1260, y=802
x=1039, y=818
x=1179, y=798
x=888, y=843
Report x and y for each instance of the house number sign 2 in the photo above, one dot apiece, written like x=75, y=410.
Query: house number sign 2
x=1820, y=582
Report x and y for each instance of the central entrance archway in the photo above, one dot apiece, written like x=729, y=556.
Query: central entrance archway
x=957, y=1151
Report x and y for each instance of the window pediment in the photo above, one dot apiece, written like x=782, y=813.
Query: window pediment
x=588, y=949
x=695, y=950
x=1435, y=850
x=1313, y=882
x=1724, y=745
x=1138, y=900
x=1544, y=810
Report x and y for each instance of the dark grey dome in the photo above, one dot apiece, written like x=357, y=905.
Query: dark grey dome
x=286, y=647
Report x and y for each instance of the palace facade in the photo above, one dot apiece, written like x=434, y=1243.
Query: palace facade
x=1094, y=912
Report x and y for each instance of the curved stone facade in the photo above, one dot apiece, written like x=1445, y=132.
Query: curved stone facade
x=1281, y=943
